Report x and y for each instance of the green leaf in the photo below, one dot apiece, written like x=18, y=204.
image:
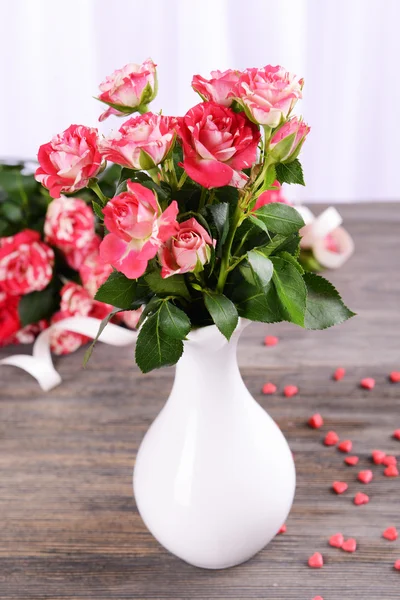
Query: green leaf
x=290, y=258
x=261, y=266
x=258, y=304
x=220, y=216
x=259, y=223
x=102, y=326
x=325, y=307
x=97, y=210
x=270, y=177
x=173, y=321
x=290, y=173
x=151, y=307
x=170, y=286
x=291, y=290
x=280, y=218
x=154, y=348
x=222, y=311
x=118, y=290
x=38, y=305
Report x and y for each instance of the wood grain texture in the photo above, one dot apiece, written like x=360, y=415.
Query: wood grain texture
x=69, y=525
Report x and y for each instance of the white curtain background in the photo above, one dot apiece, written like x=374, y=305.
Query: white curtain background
x=54, y=53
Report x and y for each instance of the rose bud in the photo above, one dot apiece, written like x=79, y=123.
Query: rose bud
x=286, y=143
x=129, y=89
x=141, y=143
x=137, y=229
x=69, y=224
x=189, y=248
x=267, y=95
x=69, y=160
x=26, y=263
x=217, y=144
x=218, y=87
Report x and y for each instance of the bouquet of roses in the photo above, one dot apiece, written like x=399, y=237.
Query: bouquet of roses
x=50, y=267
x=191, y=235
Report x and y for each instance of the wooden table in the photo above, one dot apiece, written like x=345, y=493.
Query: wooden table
x=69, y=525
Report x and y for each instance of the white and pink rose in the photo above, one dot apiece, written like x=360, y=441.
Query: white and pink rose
x=129, y=89
x=141, y=143
x=218, y=88
x=69, y=160
x=26, y=263
x=267, y=95
x=137, y=229
x=69, y=224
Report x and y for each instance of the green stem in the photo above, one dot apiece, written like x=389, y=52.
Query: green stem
x=94, y=186
x=154, y=174
x=235, y=264
x=182, y=179
x=173, y=179
x=226, y=257
x=202, y=198
x=242, y=241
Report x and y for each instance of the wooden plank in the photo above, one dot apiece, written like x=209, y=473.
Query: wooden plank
x=69, y=525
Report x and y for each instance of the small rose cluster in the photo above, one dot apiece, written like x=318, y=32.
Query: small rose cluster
x=27, y=264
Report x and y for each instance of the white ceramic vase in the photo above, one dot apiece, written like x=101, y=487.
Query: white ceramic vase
x=214, y=478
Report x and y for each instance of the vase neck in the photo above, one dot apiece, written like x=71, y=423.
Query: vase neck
x=208, y=371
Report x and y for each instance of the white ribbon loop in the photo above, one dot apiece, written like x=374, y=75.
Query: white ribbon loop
x=40, y=364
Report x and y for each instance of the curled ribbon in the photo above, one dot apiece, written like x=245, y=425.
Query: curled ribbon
x=40, y=364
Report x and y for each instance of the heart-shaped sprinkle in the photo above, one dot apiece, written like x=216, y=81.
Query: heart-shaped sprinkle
x=397, y=565
x=290, y=390
x=316, y=421
x=316, y=561
x=360, y=498
x=269, y=388
x=331, y=438
x=390, y=534
x=351, y=460
x=395, y=376
x=396, y=434
x=389, y=460
x=365, y=476
x=271, y=340
x=345, y=446
x=336, y=540
x=349, y=545
x=368, y=383
x=339, y=374
x=339, y=487
x=378, y=456
x=283, y=529
x=391, y=471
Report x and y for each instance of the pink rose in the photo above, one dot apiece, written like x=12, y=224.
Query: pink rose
x=130, y=318
x=217, y=144
x=27, y=334
x=141, y=143
x=69, y=224
x=93, y=270
x=69, y=160
x=218, y=87
x=137, y=229
x=9, y=318
x=100, y=310
x=189, y=246
x=286, y=143
x=268, y=94
x=26, y=263
x=271, y=196
x=129, y=88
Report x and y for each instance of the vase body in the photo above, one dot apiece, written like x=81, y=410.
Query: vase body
x=214, y=478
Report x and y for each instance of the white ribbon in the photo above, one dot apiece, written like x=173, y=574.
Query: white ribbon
x=40, y=364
